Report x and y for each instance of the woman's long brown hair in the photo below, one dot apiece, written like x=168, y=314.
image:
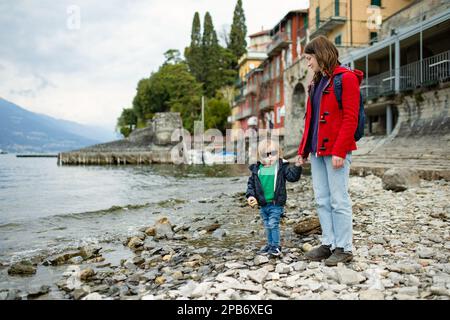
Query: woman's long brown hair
x=326, y=54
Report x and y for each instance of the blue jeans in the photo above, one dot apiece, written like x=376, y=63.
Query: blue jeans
x=334, y=206
x=270, y=215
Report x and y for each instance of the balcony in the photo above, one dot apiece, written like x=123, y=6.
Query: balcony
x=239, y=98
x=431, y=71
x=247, y=112
x=279, y=41
x=266, y=104
x=252, y=89
x=332, y=16
x=428, y=72
x=266, y=78
x=379, y=85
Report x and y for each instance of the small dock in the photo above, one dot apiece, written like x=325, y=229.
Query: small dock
x=37, y=156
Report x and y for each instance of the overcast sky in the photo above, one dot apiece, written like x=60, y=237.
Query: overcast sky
x=86, y=69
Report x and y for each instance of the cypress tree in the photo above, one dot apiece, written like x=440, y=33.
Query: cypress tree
x=193, y=53
x=238, y=32
x=211, y=57
x=196, y=36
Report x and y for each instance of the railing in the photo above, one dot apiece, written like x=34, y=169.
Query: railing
x=242, y=114
x=336, y=12
x=429, y=71
x=379, y=85
x=247, y=112
x=434, y=69
x=237, y=116
x=278, y=40
x=266, y=103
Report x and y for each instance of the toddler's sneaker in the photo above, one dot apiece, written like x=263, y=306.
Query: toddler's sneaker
x=275, y=251
x=265, y=250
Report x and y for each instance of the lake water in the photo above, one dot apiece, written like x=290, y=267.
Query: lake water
x=46, y=208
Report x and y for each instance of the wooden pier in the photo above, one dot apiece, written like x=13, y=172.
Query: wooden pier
x=37, y=156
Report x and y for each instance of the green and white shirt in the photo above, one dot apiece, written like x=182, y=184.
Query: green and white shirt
x=267, y=177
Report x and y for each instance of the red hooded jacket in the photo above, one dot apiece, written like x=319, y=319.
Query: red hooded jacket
x=336, y=126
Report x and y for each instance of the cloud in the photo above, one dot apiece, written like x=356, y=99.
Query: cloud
x=88, y=74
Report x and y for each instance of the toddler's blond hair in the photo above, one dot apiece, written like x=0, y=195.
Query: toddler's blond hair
x=268, y=145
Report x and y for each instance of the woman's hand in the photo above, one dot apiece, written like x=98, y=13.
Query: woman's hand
x=337, y=162
x=300, y=161
x=252, y=201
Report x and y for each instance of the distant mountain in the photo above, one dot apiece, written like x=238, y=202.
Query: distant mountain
x=23, y=131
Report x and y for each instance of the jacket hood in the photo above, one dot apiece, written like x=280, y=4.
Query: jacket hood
x=341, y=69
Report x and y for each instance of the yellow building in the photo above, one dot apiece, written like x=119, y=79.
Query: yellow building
x=351, y=23
x=256, y=53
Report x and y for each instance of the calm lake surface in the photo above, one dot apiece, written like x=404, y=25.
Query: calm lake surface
x=46, y=208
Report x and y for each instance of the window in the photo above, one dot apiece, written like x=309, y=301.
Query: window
x=288, y=56
x=375, y=3
x=336, y=8
x=317, y=17
x=338, y=40
x=373, y=37
x=277, y=67
x=277, y=93
x=305, y=22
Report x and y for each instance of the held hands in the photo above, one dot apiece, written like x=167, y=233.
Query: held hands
x=252, y=202
x=300, y=161
x=337, y=162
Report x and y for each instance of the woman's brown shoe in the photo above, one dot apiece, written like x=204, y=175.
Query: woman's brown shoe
x=339, y=255
x=319, y=253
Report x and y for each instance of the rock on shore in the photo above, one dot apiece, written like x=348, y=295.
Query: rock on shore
x=401, y=251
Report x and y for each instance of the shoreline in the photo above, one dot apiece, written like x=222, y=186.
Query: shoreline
x=402, y=251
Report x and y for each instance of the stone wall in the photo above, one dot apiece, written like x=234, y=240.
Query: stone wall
x=425, y=113
x=142, y=146
x=419, y=141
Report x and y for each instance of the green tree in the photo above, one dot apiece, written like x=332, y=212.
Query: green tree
x=126, y=121
x=172, y=56
x=193, y=53
x=238, y=32
x=171, y=88
x=211, y=52
x=141, y=103
x=227, y=72
x=217, y=111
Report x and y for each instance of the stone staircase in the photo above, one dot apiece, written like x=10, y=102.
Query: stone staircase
x=428, y=155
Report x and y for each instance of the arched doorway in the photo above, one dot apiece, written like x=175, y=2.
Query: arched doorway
x=299, y=102
x=294, y=117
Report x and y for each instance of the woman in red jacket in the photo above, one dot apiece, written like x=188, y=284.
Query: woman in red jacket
x=329, y=139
